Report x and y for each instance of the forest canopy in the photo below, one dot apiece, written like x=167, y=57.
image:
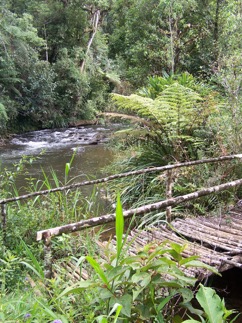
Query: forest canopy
x=60, y=59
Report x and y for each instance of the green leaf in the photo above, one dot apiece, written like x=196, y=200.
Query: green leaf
x=186, y=294
x=119, y=225
x=36, y=267
x=32, y=268
x=126, y=302
x=183, y=279
x=144, y=311
x=211, y=304
x=131, y=259
x=116, y=272
x=160, y=318
x=196, y=263
x=136, y=293
x=163, y=303
x=177, y=319
x=157, y=252
x=178, y=248
x=116, y=309
x=175, y=255
x=187, y=260
x=51, y=313
x=77, y=288
x=98, y=270
x=101, y=319
x=227, y=313
x=173, y=284
x=192, y=309
x=67, y=170
x=143, y=278
x=105, y=294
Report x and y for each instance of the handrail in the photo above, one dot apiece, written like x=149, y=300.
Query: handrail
x=112, y=177
x=93, y=222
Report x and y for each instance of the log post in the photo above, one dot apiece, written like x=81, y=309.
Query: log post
x=169, y=182
x=47, y=258
x=4, y=223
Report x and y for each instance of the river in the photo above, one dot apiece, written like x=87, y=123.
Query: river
x=53, y=148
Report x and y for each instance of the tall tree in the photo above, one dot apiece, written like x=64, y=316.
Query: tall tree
x=18, y=49
x=149, y=37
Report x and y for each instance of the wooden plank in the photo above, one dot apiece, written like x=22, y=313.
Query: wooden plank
x=222, y=225
x=208, y=256
x=207, y=235
x=222, y=233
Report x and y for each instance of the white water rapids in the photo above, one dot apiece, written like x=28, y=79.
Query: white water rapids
x=53, y=148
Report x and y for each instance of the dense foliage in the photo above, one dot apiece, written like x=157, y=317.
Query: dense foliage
x=60, y=59
x=176, y=66
x=53, y=69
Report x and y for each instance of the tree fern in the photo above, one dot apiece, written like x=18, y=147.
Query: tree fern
x=134, y=104
x=174, y=116
x=177, y=108
x=180, y=107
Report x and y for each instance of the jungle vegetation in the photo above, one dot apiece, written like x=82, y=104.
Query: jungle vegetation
x=61, y=58
x=174, y=64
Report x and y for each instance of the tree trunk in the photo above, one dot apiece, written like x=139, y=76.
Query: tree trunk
x=216, y=32
x=95, y=21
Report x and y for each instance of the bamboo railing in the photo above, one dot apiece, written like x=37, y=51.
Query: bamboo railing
x=47, y=234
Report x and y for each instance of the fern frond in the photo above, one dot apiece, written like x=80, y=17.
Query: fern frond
x=177, y=106
x=133, y=103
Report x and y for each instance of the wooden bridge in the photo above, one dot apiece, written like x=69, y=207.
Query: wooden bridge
x=217, y=241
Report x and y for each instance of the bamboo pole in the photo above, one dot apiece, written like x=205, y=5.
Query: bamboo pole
x=84, y=224
x=112, y=177
x=169, y=184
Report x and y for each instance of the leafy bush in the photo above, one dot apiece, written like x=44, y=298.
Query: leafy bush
x=149, y=287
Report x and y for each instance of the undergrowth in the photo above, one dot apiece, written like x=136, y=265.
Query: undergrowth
x=150, y=286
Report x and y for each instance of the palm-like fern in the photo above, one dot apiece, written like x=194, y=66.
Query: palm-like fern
x=177, y=110
x=178, y=115
x=157, y=84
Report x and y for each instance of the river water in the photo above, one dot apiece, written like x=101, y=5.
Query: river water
x=54, y=148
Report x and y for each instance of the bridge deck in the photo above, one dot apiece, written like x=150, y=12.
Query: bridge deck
x=217, y=241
